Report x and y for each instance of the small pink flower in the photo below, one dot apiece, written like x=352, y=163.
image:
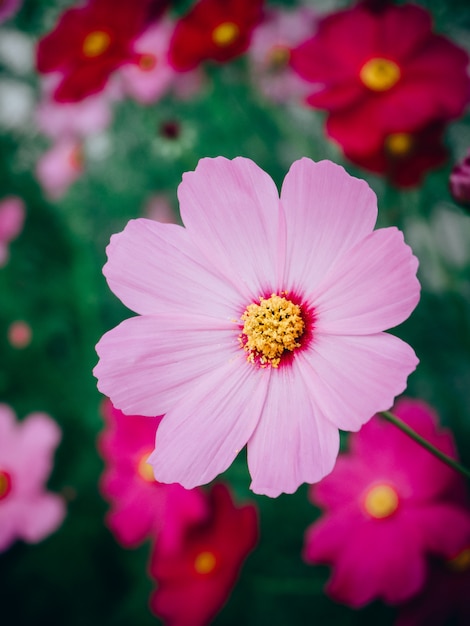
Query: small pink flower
x=259, y=323
x=270, y=51
x=389, y=503
x=60, y=166
x=12, y=214
x=195, y=582
x=27, y=510
x=19, y=334
x=8, y=8
x=460, y=181
x=142, y=508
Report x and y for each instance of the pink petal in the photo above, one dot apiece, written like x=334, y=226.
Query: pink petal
x=203, y=433
x=38, y=438
x=326, y=539
x=155, y=268
x=145, y=362
x=293, y=442
x=327, y=212
x=40, y=516
x=231, y=208
x=342, y=489
x=355, y=377
x=9, y=517
x=372, y=287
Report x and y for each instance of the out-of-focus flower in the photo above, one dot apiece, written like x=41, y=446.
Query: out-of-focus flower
x=16, y=51
x=216, y=30
x=460, y=181
x=27, y=510
x=12, y=214
x=89, y=43
x=71, y=119
x=270, y=51
x=406, y=157
x=17, y=101
x=158, y=208
x=142, y=508
x=8, y=8
x=60, y=166
x=397, y=77
x=19, y=334
x=194, y=584
x=260, y=308
x=389, y=504
x=445, y=599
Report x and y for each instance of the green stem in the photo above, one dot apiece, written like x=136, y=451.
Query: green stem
x=425, y=444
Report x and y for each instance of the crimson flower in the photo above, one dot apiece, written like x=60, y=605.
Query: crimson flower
x=397, y=76
x=194, y=584
x=142, y=508
x=460, y=181
x=214, y=29
x=90, y=42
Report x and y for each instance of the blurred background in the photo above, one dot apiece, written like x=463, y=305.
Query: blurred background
x=82, y=151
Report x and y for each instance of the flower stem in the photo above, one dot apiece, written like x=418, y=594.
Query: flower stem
x=425, y=444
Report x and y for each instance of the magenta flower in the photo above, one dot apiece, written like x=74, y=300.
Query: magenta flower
x=459, y=181
x=12, y=214
x=8, y=8
x=27, y=510
x=389, y=504
x=259, y=323
x=142, y=508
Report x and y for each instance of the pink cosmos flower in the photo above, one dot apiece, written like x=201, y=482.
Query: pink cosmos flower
x=19, y=334
x=270, y=51
x=27, y=510
x=142, y=508
x=194, y=583
x=389, y=504
x=12, y=214
x=8, y=8
x=259, y=323
x=60, y=166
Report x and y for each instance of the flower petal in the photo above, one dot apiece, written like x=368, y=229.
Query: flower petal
x=231, y=208
x=293, y=442
x=372, y=287
x=327, y=212
x=145, y=362
x=155, y=268
x=355, y=377
x=40, y=516
x=203, y=433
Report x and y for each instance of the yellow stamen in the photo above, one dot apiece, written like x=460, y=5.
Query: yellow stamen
x=399, y=144
x=95, y=43
x=380, y=74
x=144, y=468
x=205, y=563
x=5, y=484
x=278, y=57
x=225, y=34
x=147, y=62
x=271, y=328
x=381, y=501
x=461, y=562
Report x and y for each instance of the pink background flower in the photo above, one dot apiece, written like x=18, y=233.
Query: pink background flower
x=27, y=510
x=8, y=8
x=60, y=166
x=12, y=215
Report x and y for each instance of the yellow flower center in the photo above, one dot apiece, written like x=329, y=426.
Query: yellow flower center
x=399, y=144
x=461, y=562
x=147, y=62
x=381, y=501
x=380, y=74
x=95, y=43
x=205, y=562
x=271, y=328
x=225, y=34
x=5, y=484
x=144, y=469
x=278, y=57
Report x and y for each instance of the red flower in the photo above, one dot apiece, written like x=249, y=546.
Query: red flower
x=194, y=583
x=380, y=73
x=214, y=29
x=406, y=157
x=90, y=42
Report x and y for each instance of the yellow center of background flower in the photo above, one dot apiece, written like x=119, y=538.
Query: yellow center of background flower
x=205, y=563
x=399, y=144
x=278, y=57
x=271, y=327
x=380, y=74
x=95, y=43
x=225, y=34
x=5, y=484
x=144, y=469
x=147, y=62
x=461, y=562
x=381, y=501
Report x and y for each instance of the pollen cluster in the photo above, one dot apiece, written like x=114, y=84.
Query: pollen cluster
x=380, y=74
x=271, y=328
